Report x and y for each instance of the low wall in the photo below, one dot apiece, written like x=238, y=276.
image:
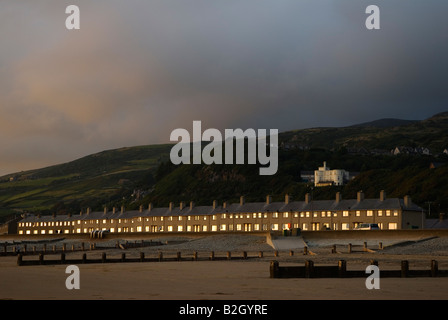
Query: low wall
x=374, y=234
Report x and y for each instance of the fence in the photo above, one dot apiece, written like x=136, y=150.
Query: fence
x=141, y=258
x=309, y=270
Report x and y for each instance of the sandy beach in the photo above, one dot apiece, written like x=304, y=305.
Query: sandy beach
x=227, y=280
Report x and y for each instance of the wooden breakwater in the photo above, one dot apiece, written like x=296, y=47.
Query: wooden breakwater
x=309, y=270
x=45, y=247
x=160, y=257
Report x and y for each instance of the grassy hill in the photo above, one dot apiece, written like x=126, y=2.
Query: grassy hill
x=111, y=177
x=94, y=180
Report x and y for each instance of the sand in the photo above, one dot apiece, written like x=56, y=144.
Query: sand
x=227, y=280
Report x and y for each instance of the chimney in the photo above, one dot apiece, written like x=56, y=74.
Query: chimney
x=338, y=197
x=122, y=209
x=360, y=196
x=114, y=209
x=88, y=210
x=191, y=205
x=382, y=195
x=241, y=200
x=307, y=198
x=105, y=210
x=286, y=198
x=224, y=204
x=181, y=205
x=407, y=201
x=214, y=204
x=268, y=199
x=171, y=206
x=149, y=206
x=140, y=208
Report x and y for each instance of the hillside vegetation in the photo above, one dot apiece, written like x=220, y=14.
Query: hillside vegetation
x=138, y=175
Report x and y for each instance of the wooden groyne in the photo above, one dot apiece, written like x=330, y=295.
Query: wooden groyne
x=309, y=270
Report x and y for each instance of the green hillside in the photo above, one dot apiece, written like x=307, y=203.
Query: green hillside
x=138, y=175
x=94, y=180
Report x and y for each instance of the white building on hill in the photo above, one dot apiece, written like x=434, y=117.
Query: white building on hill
x=326, y=177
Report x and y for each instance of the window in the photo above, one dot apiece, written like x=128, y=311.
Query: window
x=345, y=213
x=214, y=227
x=395, y=213
x=275, y=215
x=223, y=216
x=254, y=215
x=238, y=227
x=307, y=214
x=180, y=228
x=214, y=217
x=285, y=214
x=274, y=226
x=179, y=218
x=358, y=213
x=304, y=226
x=170, y=228
x=387, y=213
x=393, y=226
x=380, y=213
x=139, y=229
x=302, y=214
x=322, y=214
x=345, y=226
x=223, y=227
x=369, y=213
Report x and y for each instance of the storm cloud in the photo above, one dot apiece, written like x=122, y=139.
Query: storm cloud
x=136, y=70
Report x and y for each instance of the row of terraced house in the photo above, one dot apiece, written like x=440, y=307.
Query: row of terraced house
x=336, y=214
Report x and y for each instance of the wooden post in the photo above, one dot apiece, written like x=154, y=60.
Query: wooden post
x=34, y=249
x=305, y=250
x=64, y=247
x=309, y=268
x=404, y=268
x=276, y=253
x=45, y=247
x=82, y=246
x=24, y=248
x=160, y=256
x=342, y=268
x=260, y=254
x=349, y=248
x=41, y=258
x=54, y=248
x=103, y=257
x=212, y=255
x=434, y=268
x=179, y=258
x=62, y=258
x=274, y=269
x=244, y=254
x=374, y=262
x=123, y=257
x=380, y=246
x=142, y=257
x=333, y=250
x=19, y=259
x=229, y=255
x=365, y=246
x=291, y=253
x=195, y=256
x=84, y=258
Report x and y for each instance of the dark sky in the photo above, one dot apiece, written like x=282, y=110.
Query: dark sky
x=138, y=69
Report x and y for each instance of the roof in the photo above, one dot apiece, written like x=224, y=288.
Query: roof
x=315, y=205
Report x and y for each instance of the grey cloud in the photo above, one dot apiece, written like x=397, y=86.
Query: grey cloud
x=139, y=69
